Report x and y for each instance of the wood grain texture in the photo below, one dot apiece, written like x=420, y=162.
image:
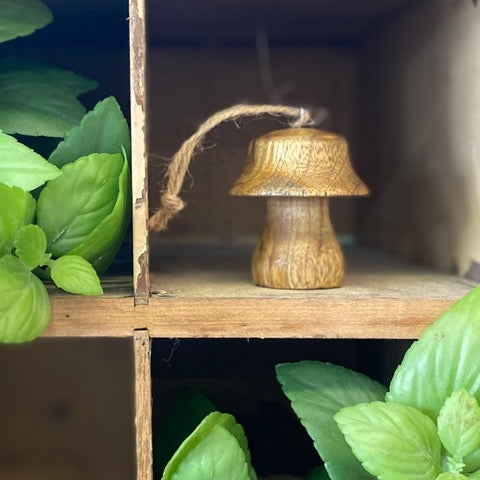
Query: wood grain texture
x=143, y=404
x=139, y=152
x=298, y=248
x=202, y=296
x=423, y=162
x=299, y=162
x=298, y=168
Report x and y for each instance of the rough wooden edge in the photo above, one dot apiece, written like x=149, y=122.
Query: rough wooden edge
x=143, y=404
x=141, y=281
x=245, y=318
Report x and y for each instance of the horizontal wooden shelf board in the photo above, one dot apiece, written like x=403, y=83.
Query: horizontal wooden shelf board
x=381, y=298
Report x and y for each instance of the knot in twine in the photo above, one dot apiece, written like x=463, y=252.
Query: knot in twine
x=170, y=202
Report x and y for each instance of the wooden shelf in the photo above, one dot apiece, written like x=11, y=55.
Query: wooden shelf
x=211, y=296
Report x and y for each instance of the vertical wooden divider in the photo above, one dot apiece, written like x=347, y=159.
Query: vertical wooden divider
x=138, y=48
x=143, y=404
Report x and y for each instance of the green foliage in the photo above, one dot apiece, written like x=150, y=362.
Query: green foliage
x=84, y=208
x=22, y=167
x=405, y=445
x=428, y=427
x=36, y=101
x=31, y=245
x=215, y=450
x=24, y=303
x=442, y=361
x=22, y=17
x=103, y=242
x=71, y=206
x=104, y=129
x=459, y=424
x=317, y=473
x=188, y=410
x=317, y=391
x=18, y=209
x=74, y=274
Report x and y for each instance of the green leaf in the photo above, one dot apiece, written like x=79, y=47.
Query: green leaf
x=24, y=302
x=443, y=360
x=75, y=275
x=450, y=476
x=73, y=205
x=30, y=245
x=317, y=473
x=211, y=452
x=75, y=84
x=102, y=130
x=103, y=243
x=22, y=17
x=31, y=103
x=458, y=424
x=475, y=476
x=472, y=461
x=21, y=167
x=393, y=441
x=188, y=410
x=18, y=208
x=317, y=392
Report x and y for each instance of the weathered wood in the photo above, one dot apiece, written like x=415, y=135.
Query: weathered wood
x=381, y=298
x=248, y=317
x=419, y=134
x=143, y=404
x=139, y=152
x=298, y=168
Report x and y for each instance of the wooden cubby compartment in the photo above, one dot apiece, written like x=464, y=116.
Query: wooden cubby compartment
x=400, y=80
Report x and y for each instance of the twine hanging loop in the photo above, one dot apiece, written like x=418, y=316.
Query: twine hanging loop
x=170, y=202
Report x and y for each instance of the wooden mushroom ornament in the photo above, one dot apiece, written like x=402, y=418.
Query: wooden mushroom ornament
x=298, y=169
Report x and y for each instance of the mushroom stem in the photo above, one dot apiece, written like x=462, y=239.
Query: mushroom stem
x=298, y=248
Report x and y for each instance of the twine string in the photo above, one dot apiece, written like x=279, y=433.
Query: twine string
x=170, y=201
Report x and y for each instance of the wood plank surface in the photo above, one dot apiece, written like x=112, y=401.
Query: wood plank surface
x=143, y=404
x=246, y=318
x=139, y=152
x=381, y=298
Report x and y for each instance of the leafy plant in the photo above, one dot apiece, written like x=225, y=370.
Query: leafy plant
x=426, y=427
x=83, y=190
x=187, y=411
x=216, y=449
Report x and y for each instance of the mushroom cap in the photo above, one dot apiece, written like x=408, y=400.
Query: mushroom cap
x=299, y=162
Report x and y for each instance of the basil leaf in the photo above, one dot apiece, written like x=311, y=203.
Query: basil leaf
x=188, y=410
x=210, y=452
x=32, y=104
x=75, y=275
x=103, y=243
x=30, y=245
x=71, y=206
x=317, y=473
x=22, y=17
x=18, y=208
x=317, y=392
x=459, y=424
x=21, y=167
x=75, y=84
x=443, y=360
x=393, y=441
x=102, y=130
x=451, y=476
x=24, y=302
x=472, y=461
